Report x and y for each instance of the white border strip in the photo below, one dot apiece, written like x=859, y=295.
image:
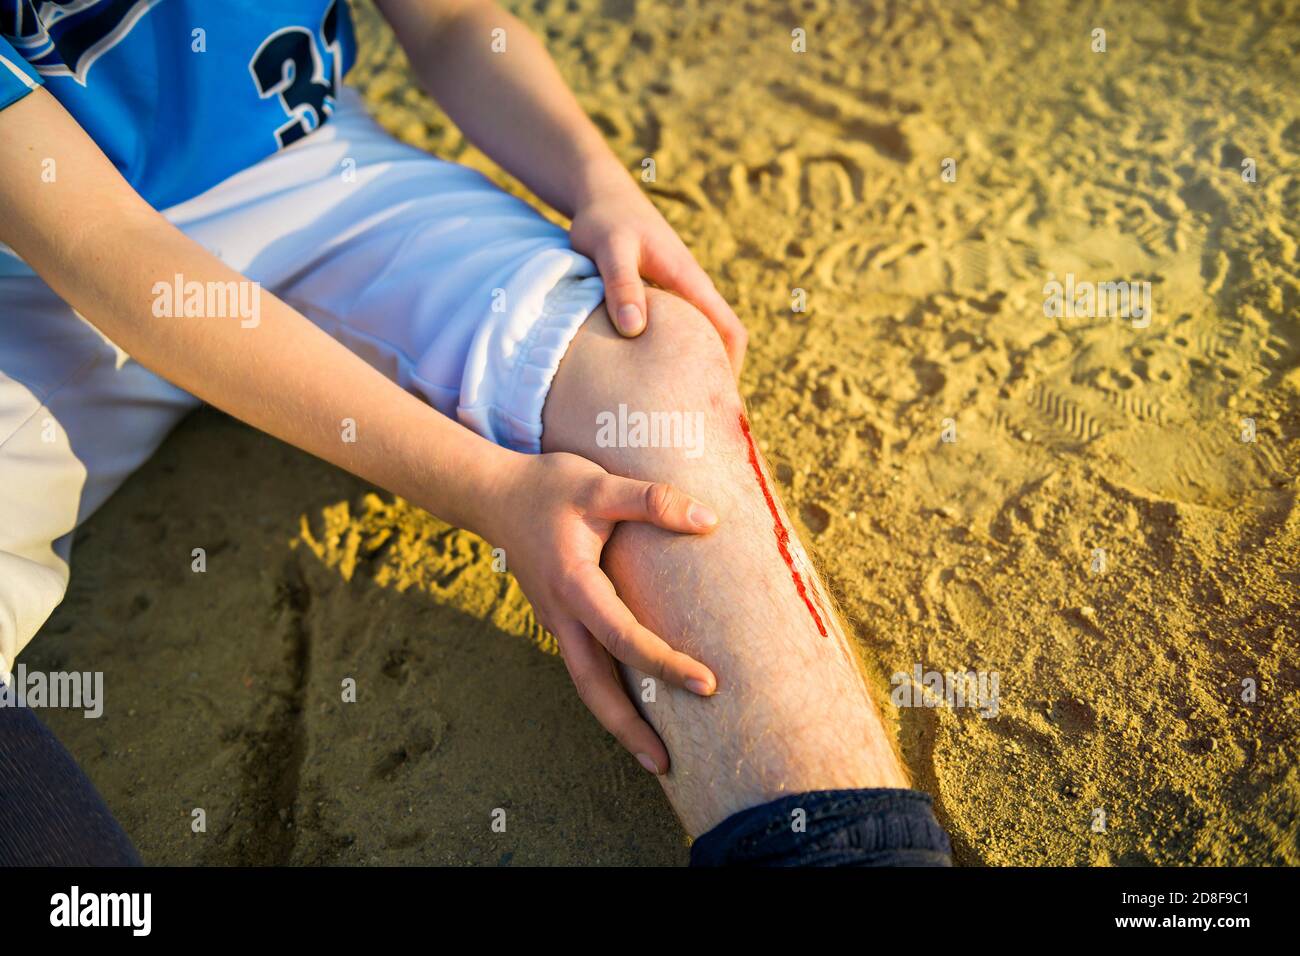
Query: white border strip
x=26, y=80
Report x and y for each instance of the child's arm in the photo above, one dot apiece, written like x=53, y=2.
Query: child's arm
x=102, y=249
x=514, y=105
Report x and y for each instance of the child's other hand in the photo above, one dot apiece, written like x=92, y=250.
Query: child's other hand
x=555, y=514
x=627, y=238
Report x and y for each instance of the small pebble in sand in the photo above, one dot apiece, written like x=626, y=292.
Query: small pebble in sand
x=1026, y=435
x=1088, y=614
x=948, y=511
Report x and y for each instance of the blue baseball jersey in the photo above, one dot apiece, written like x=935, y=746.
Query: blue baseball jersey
x=180, y=94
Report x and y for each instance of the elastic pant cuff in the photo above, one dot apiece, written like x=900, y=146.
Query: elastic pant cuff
x=876, y=827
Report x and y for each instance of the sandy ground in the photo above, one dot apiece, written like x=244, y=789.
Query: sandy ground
x=1121, y=669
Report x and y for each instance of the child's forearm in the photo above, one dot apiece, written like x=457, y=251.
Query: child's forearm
x=511, y=102
x=107, y=254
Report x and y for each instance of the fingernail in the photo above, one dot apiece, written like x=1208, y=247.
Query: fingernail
x=628, y=319
x=645, y=761
x=701, y=516
x=697, y=686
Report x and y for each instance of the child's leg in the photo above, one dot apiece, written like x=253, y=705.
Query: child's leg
x=792, y=712
x=470, y=299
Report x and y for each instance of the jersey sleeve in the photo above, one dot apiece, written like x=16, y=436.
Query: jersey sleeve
x=17, y=78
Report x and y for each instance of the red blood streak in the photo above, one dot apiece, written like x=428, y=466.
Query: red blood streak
x=782, y=534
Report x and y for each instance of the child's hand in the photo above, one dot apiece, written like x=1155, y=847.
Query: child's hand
x=622, y=231
x=557, y=512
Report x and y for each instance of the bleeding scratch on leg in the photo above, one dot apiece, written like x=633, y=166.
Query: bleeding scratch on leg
x=782, y=533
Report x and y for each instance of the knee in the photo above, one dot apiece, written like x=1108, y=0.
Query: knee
x=681, y=348
x=678, y=384
x=677, y=365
